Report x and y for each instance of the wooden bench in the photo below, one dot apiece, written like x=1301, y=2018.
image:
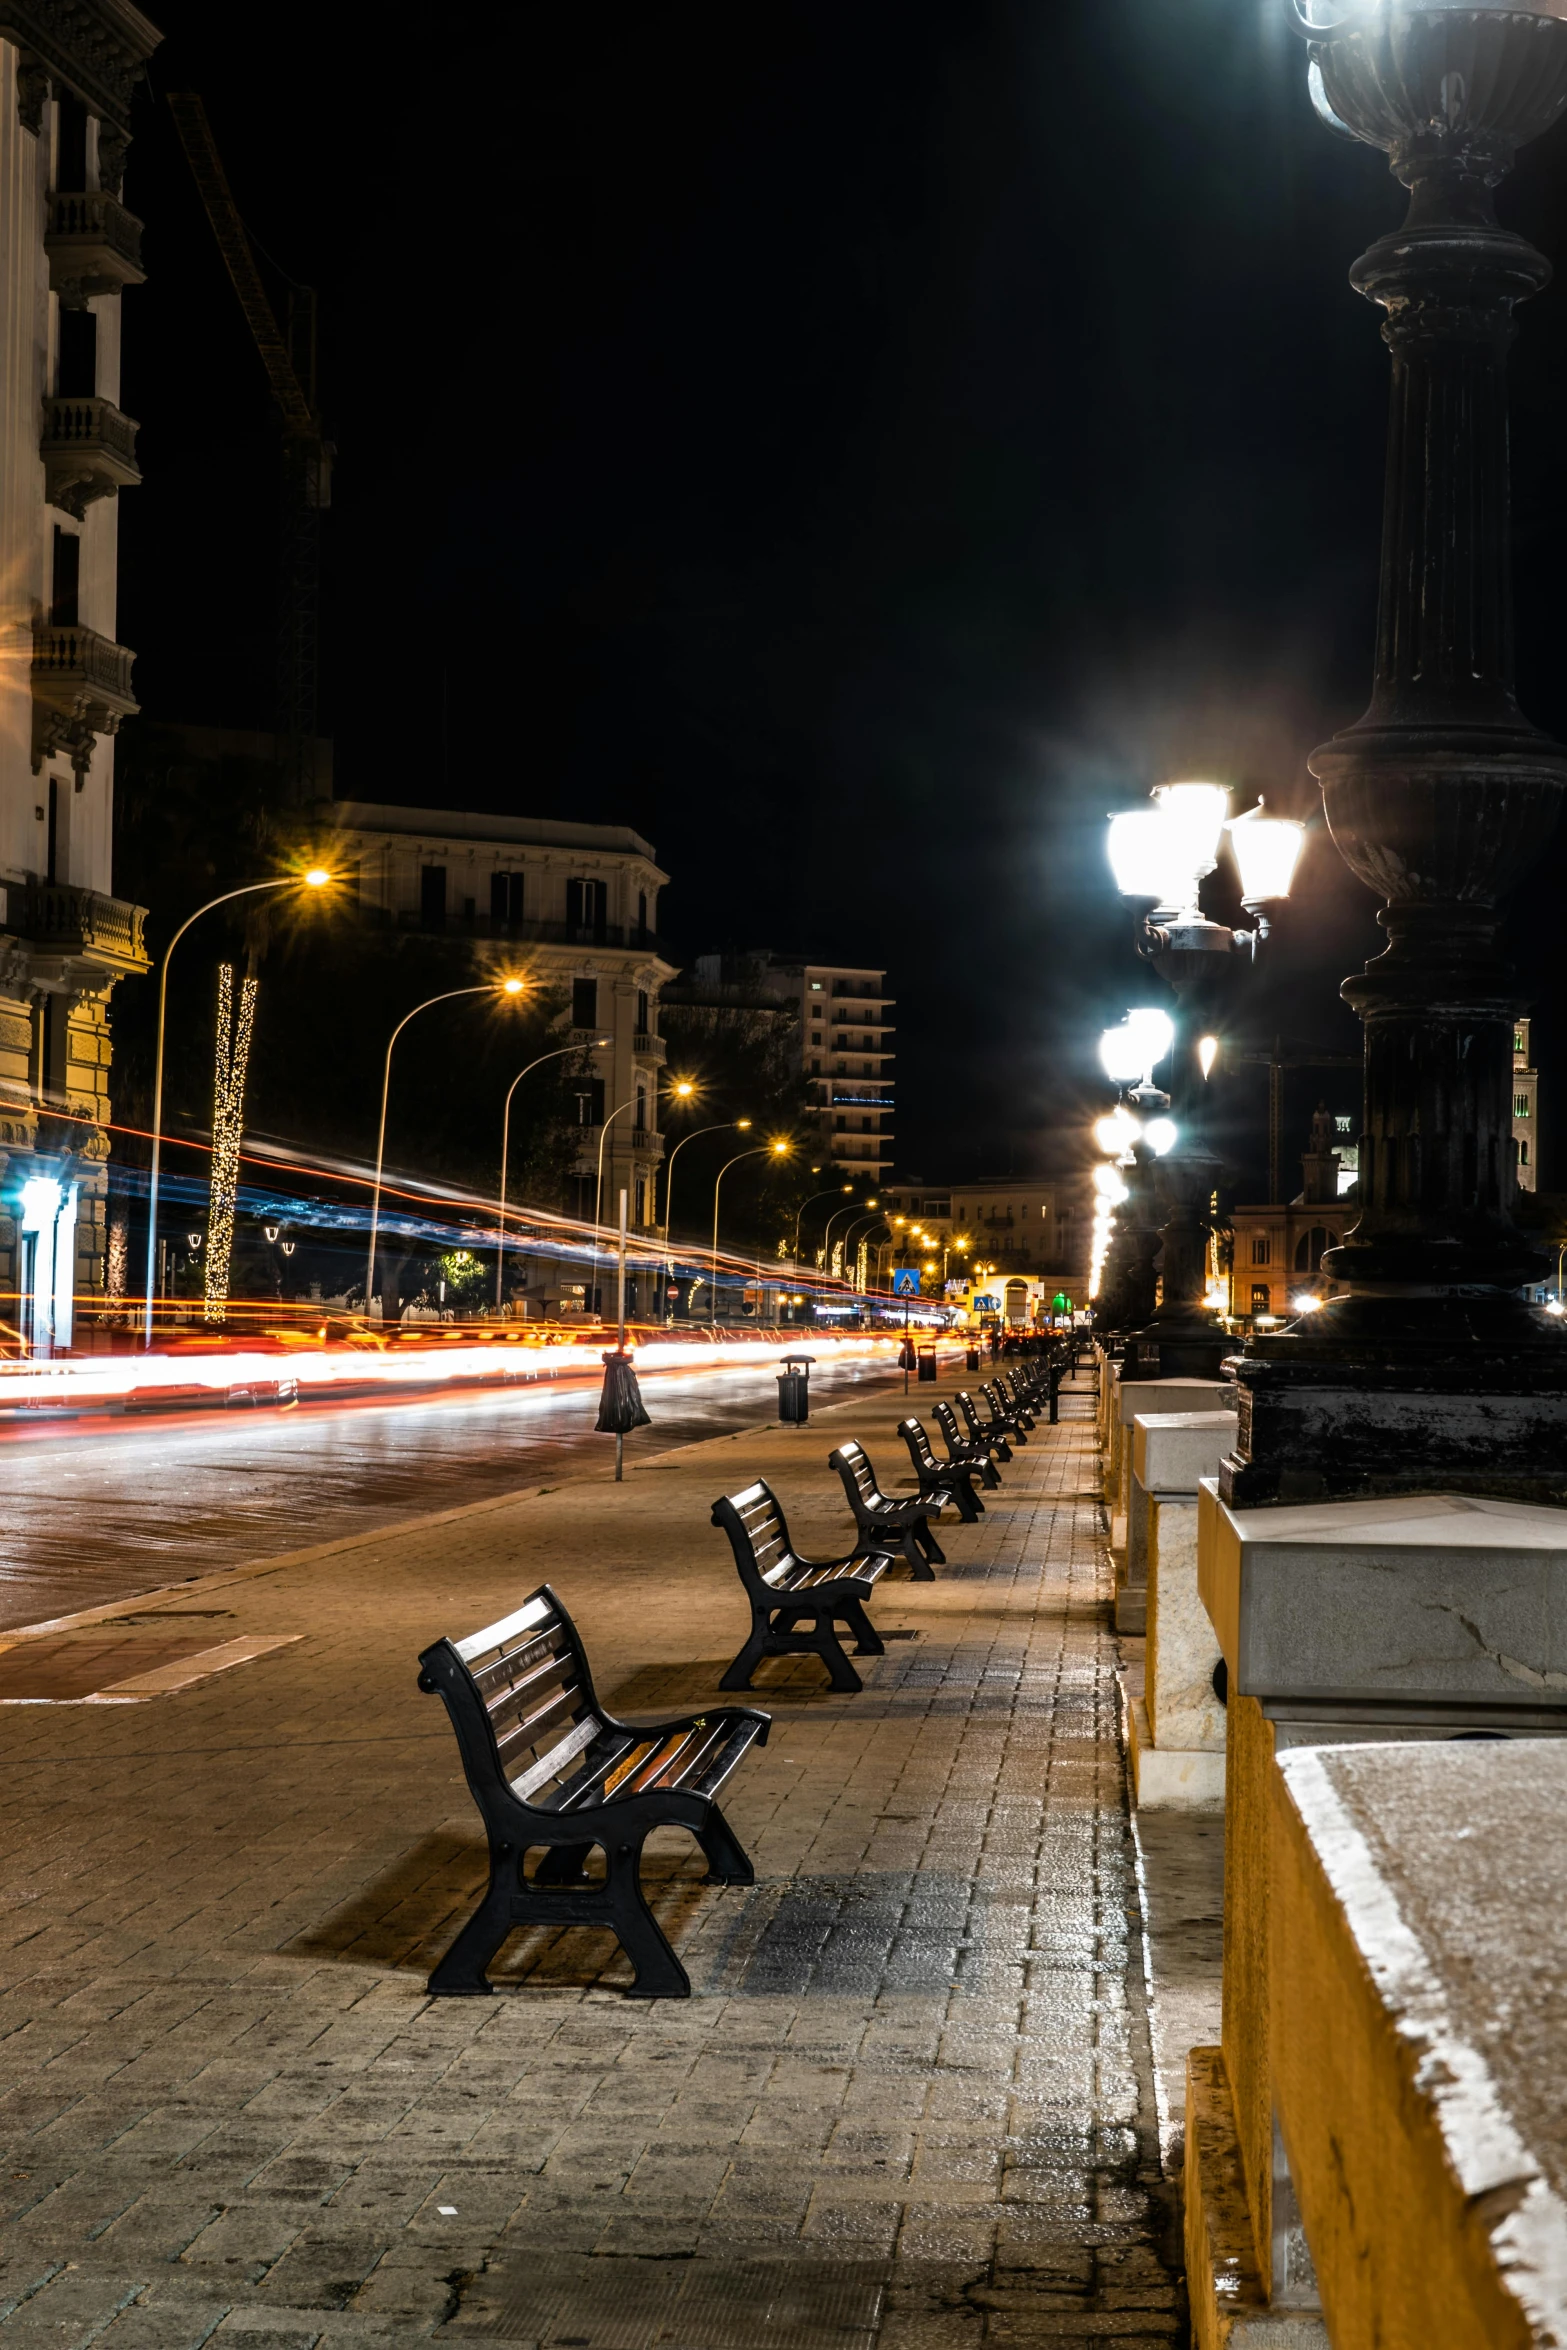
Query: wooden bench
x=938, y=1485
x=968, y=1452
x=548, y=1767
x=987, y=1431
x=883, y=1522
x=796, y=1602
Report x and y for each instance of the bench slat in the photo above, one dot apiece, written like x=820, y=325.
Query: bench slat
x=549, y=1765
x=533, y=1613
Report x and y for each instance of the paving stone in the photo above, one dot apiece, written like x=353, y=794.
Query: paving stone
x=916, y=2050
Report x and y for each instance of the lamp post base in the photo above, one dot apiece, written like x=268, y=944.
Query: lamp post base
x=1458, y=1411
x=1192, y=1346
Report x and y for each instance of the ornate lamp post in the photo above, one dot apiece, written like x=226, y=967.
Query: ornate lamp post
x=1431, y=1369
x=1164, y=853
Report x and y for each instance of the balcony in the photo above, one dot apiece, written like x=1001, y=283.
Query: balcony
x=81, y=689
x=82, y=924
x=647, y=1047
x=93, y=244
x=629, y=937
x=89, y=451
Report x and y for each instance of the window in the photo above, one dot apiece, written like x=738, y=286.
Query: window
x=590, y=1101
x=65, y=593
x=641, y=917
x=1520, y=1105
x=1523, y=1154
x=644, y=1012
x=584, y=1003
x=70, y=143
x=1261, y=1298
x=1518, y=1043
x=587, y=907
x=840, y=1123
x=816, y=987
x=1310, y=1246
x=76, y=371
x=1260, y=1249
x=816, y=1067
x=52, y=868
x=642, y=1109
x=506, y=899
x=432, y=896
x=816, y=1036
x=641, y=1199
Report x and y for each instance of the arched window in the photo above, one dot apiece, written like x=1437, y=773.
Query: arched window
x=1310, y=1246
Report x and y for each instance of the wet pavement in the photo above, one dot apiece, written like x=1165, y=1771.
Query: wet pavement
x=111, y=1509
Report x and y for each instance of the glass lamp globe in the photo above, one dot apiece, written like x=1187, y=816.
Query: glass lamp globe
x=1266, y=850
x=1154, y=1031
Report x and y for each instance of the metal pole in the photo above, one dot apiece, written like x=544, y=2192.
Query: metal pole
x=380, y=1140
x=758, y=1152
x=250, y=890
x=620, y=1320
x=500, y=1239
x=720, y=1126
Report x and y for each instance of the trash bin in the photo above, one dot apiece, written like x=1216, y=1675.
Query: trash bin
x=794, y=1390
x=971, y=1359
x=927, y=1363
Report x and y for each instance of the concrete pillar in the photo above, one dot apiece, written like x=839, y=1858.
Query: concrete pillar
x=1134, y=1396
x=1177, y=1725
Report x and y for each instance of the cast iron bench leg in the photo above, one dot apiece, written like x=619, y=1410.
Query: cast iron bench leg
x=750, y=1656
x=460, y=1974
x=867, y=1640
x=563, y=1864
x=728, y=1862
x=928, y=1543
x=919, y=1565
x=658, y=1973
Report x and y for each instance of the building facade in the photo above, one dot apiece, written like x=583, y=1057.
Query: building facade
x=572, y=906
x=1276, y=1252
x=66, y=451
x=1526, y=1109
x=1011, y=1223
x=841, y=1044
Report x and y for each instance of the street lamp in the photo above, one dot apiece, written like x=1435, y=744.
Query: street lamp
x=720, y=1126
x=1164, y=853
x=1439, y=799
x=777, y=1150
x=500, y=1228
x=852, y=1209
x=833, y=1191
x=317, y=877
x=504, y=987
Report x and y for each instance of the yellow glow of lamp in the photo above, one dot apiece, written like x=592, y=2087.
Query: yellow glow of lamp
x=317, y=877
x=512, y=986
x=1207, y=1053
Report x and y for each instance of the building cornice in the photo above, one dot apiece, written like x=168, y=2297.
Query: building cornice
x=97, y=48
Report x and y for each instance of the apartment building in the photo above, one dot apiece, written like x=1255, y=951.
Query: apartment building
x=1276, y=1252
x=840, y=1041
x=1011, y=1222
x=66, y=452
x=575, y=906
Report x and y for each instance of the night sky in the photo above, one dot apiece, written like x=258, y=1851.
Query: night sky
x=861, y=447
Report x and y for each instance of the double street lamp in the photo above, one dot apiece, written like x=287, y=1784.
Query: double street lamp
x=719, y=1126
x=776, y=1150
x=1163, y=854
x=560, y=1053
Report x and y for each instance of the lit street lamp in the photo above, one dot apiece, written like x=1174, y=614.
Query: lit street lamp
x=853, y=1209
x=1164, y=853
x=504, y=987
x=721, y=1126
x=777, y=1150
x=316, y=878
x=833, y=1191
x=500, y=1226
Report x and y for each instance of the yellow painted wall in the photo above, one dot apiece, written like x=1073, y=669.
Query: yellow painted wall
x=1250, y=1775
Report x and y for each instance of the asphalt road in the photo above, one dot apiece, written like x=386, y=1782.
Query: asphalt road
x=109, y=1510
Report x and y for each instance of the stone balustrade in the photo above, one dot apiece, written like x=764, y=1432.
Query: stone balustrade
x=1177, y=1725
x=1132, y=1398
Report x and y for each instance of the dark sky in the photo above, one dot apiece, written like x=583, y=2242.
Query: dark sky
x=860, y=446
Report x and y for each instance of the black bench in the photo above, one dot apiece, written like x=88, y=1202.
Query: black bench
x=938, y=1485
x=967, y=1452
x=1007, y=1400
x=883, y=1522
x=989, y=1431
x=548, y=1767
x=795, y=1602
x=1004, y=1413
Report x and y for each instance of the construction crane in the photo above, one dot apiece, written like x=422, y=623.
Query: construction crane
x=1276, y=1062
x=288, y=353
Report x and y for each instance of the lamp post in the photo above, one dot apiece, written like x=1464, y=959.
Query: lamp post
x=852, y=1209
x=1164, y=853
x=316, y=878
x=870, y=1222
x=721, y=1126
x=506, y=987
x=777, y=1150
x=834, y=1191
x=500, y=1227
x=1430, y=1368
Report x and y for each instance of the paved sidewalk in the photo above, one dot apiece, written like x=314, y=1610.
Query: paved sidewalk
x=910, y=2104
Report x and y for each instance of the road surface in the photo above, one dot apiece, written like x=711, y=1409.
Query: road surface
x=103, y=1510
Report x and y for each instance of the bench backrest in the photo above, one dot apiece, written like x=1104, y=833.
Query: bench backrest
x=965, y=1403
x=859, y=1478
x=913, y=1434
x=521, y=1700
x=947, y=1422
x=758, y=1536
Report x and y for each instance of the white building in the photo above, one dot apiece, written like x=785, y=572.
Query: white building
x=1526, y=1109
x=842, y=1044
x=66, y=451
x=1011, y=1222
x=573, y=905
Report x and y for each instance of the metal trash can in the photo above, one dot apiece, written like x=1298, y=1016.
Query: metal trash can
x=927, y=1365
x=794, y=1390
x=971, y=1359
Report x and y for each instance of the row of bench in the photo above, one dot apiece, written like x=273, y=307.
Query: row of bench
x=554, y=1774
